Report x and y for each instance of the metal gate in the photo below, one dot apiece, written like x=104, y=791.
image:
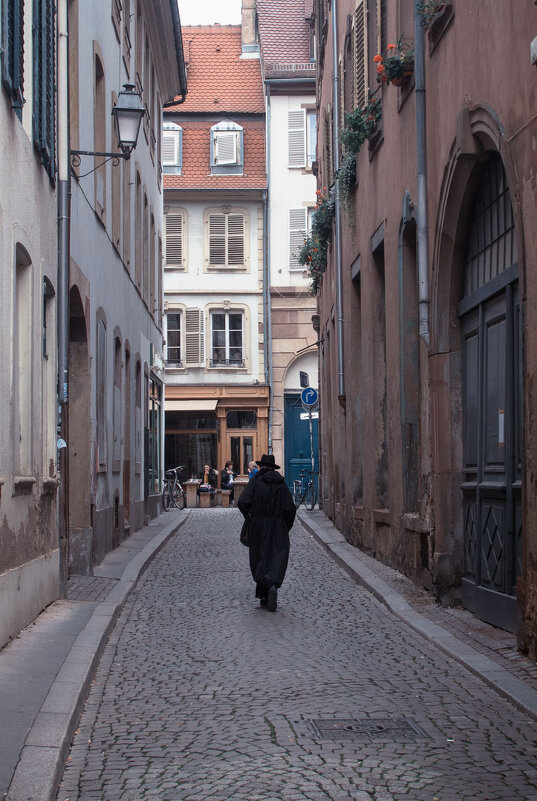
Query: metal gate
x=492, y=405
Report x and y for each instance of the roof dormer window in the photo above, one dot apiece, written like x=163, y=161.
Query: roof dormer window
x=172, y=148
x=227, y=148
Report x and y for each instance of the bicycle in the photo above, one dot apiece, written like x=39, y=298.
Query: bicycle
x=305, y=492
x=172, y=490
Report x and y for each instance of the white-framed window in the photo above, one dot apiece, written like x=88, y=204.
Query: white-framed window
x=172, y=148
x=227, y=148
x=298, y=229
x=175, y=240
x=227, y=238
x=227, y=338
x=173, y=338
x=296, y=138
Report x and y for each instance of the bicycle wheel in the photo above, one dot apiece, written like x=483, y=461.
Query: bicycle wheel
x=311, y=496
x=179, y=498
x=166, y=497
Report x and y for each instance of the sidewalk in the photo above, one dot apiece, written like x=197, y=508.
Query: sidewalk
x=485, y=650
x=46, y=671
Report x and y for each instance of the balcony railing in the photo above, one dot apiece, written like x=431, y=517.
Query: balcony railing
x=174, y=363
x=227, y=362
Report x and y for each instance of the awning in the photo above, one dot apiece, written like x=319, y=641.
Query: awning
x=190, y=405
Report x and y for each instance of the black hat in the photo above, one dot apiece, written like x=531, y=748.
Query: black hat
x=267, y=460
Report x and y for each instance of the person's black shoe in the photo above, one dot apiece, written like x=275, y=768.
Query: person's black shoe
x=272, y=601
x=263, y=601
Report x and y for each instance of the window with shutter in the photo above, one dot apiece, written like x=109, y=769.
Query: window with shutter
x=174, y=241
x=296, y=134
x=328, y=143
x=226, y=240
x=225, y=148
x=13, y=51
x=297, y=234
x=311, y=129
x=227, y=339
x=360, y=72
x=173, y=339
x=172, y=149
x=194, y=338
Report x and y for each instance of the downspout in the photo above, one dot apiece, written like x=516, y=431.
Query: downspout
x=339, y=277
x=62, y=288
x=267, y=344
x=421, y=167
x=179, y=54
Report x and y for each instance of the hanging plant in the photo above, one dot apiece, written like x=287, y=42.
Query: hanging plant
x=397, y=65
x=314, y=252
x=360, y=124
x=429, y=11
x=347, y=181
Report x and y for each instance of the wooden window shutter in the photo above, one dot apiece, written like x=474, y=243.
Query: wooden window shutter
x=360, y=75
x=297, y=234
x=174, y=240
x=44, y=83
x=194, y=338
x=13, y=51
x=235, y=239
x=382, y=24
x=225, y=148
x=217, y=239
x=296, y=133
x=171, y=141
x=329, y=148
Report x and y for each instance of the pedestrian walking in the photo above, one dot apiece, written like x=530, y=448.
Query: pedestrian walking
x=268, y=502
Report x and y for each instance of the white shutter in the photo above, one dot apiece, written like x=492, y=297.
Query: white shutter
x=225, y=148
x=235, y=239
x=296, y=133
x=170, y=148
x=174, y=240
x=217, y=239
x=194, y=338
x=297, y=234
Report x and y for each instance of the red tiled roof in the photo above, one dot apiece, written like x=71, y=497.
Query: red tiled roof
x=219, y=81
x=196, y=172
x=284, y=33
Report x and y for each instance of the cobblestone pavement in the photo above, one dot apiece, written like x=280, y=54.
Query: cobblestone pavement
x=203, y=695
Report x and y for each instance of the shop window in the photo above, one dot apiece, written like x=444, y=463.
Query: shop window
x=242, y=418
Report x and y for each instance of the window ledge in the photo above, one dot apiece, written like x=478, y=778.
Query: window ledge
x=50, y=485
x=382, y=516
x=24, y=481
x=236, y=268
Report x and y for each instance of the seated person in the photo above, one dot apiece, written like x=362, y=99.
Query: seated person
x=209, y=478
x=252, y=470
x=226, y=478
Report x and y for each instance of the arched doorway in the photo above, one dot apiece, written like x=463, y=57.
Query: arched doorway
x=79, y=441
x=491, y=354
x=297, y=439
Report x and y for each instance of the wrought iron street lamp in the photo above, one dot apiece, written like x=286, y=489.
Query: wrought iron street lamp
x=127, y=114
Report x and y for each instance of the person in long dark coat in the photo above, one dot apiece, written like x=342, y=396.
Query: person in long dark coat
x=267, y=499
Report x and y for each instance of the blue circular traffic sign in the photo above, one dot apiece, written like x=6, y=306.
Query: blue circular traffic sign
x=309, y=396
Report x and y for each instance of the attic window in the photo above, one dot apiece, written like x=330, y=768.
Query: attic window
x=227, y=148
x=172, y=148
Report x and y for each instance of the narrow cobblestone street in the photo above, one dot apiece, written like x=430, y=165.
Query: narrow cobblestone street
x=202, y=694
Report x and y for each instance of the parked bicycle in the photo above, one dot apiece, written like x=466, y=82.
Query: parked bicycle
x=173, y=493
x=304, y=491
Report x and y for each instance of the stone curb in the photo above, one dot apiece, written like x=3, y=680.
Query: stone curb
x=42, y=761
x=348, y=557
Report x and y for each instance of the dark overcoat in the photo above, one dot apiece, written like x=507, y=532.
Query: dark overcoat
x=267, y=498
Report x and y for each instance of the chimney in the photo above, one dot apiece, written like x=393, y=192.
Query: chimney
x=250, y=44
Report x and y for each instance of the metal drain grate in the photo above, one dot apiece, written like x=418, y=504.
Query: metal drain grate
x=368, y=729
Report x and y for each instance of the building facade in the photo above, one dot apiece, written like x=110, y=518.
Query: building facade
x=217, y=394
x=288, y=65
x=29, y=551
x=427, y=348
x=113, y=426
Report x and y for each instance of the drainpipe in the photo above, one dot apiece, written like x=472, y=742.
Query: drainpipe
x=266, y=283
x=339, y=277
x=62, y=288
x=421, y=157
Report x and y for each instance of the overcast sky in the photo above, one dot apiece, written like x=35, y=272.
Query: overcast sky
x=205, y=12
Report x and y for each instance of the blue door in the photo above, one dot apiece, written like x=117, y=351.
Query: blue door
x=297, y=439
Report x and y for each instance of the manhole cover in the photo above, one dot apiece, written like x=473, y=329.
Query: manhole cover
x=368, y=729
